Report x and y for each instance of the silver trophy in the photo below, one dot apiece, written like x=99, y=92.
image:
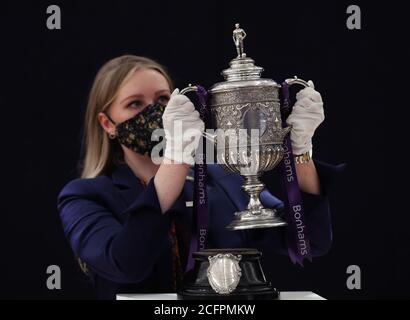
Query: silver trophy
x=249, y=136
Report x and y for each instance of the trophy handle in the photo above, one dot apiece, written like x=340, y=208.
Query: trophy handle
x=207, y=135
x=287, y=109
x=189, y=89
x=296, y=80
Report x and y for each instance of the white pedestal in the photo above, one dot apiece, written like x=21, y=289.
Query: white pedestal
x=284, y=295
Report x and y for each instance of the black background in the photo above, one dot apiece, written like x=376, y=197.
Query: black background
x=46, y=76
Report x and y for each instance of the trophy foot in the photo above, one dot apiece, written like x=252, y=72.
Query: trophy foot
x=267, y=218
x=227, y=274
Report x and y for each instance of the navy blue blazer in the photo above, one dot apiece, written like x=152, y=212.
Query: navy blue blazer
x=115, y=225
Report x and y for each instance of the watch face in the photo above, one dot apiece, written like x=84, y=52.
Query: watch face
x=303, y=158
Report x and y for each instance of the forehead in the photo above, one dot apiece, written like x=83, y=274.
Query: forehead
x=143, y=82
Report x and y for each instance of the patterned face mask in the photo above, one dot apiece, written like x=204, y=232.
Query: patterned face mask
x=135, y=133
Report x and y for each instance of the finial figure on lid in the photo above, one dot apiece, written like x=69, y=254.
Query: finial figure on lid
x=238, y=36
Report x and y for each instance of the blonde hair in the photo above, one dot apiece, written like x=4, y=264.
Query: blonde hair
x=99, y=152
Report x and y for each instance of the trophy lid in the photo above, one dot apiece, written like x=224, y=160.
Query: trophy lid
x=242, y=68
x=242, y=71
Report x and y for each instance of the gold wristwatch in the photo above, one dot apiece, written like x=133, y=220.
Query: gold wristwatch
x=304, y=157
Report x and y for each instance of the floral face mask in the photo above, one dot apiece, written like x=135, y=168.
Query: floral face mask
x=136, y=132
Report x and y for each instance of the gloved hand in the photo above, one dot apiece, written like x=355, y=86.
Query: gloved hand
x=183, y=129
x=306, y=115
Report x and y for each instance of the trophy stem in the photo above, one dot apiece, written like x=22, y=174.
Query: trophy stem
x=255, y=215
x=253, y=187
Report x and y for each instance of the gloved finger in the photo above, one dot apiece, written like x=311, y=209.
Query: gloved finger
x=314, y=95
x=305, y=119
x=302, y=112
x=175, y=92
x=196, y=115
x=296, y=123
x=199, y=125
x=311, y=84
x=298, y=119
x=192, y=117
x=177, y=100
x=186, y=107
x=305, y=91
x=307, y=103
x=185, y=112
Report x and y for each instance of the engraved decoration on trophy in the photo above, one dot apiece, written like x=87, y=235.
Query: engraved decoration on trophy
x=224, y=272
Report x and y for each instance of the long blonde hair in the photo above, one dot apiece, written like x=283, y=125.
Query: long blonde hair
x=99, y=152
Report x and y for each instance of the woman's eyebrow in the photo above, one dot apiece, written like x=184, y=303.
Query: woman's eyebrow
x=141, y=95
x=164, y=90
x=132, y=97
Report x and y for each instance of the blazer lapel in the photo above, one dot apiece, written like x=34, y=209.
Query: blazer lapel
x=128, y=184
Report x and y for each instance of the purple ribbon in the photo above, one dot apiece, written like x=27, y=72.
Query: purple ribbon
x=296, y=232
x=199, y=232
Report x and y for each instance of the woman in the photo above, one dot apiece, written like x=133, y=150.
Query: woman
x=121, y=216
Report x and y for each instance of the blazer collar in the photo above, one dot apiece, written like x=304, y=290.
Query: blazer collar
x=124, y=177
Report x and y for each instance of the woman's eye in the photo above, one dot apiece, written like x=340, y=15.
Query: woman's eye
x=163, y=99
x=135, y=104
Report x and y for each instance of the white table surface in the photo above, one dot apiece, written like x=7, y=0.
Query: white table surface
x=284, y=295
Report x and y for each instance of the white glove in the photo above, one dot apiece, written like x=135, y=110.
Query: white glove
x=183, y=128
x=305, y=117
